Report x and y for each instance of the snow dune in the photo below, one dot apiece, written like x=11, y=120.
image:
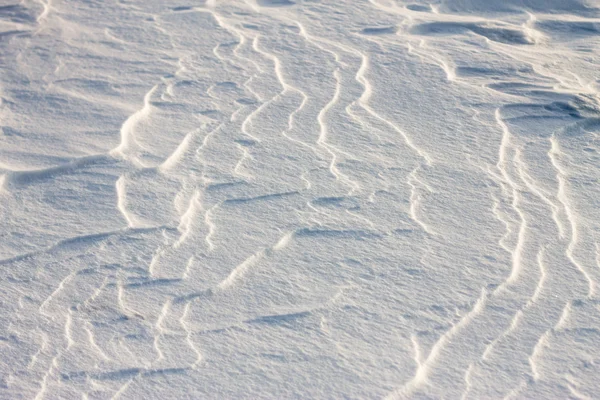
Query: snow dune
x=299, y=199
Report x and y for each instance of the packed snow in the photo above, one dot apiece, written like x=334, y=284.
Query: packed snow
x=299, y=199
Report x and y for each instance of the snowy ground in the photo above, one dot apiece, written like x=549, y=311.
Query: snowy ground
x=299, y=199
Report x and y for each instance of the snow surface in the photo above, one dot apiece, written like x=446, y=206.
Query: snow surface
x=299, y=199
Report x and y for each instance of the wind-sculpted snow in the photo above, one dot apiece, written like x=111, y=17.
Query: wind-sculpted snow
x=299, y=199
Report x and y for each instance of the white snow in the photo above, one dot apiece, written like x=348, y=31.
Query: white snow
x=299, y=199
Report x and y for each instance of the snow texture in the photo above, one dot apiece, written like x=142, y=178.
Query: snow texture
x=299, y=199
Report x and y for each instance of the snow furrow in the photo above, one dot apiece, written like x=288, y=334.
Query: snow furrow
x=381, y=198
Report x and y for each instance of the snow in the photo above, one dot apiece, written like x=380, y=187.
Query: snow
x=299, y=199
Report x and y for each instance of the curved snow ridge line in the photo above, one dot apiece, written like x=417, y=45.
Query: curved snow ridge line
x=561, y=175
x=61, y=285
x=415, y=201
x=123, y=307
x=160, y=331
x=243, y=145
x=192, y=143
x=328, y=148
x=186, y=223
x=543, y=340
x=91, y=339
x=68, y=328
x=502, y=217
x=47, y=7
x=4, y=178
x=239, y=166
x=170, y=81
x=231, y=29
x=128, y=139
x=170, y=164
x=248, y=120
x=566, y=313
x=535, y=353
x=283, y=242
x=445, y=64
x=517, y=266
x=573, y=386
x=188, y=268
x=364, y=102
x=538, y=191
x=468, y=383
x=241, y=42
x=211, y=226
x=291, y=118
x=322, y=139
x=44, y=344
x=178, y=154
x=316, y=40
x=286, y=87
x=44, y=383
x=332, y=150
x=520, y=313
x=189, y=332
x=424, y=367
x=502, y=165
x=361, y=78
x=187, y=219
x=221, y=58
x=198, y=152
x=121, y=190
x=238, y=272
